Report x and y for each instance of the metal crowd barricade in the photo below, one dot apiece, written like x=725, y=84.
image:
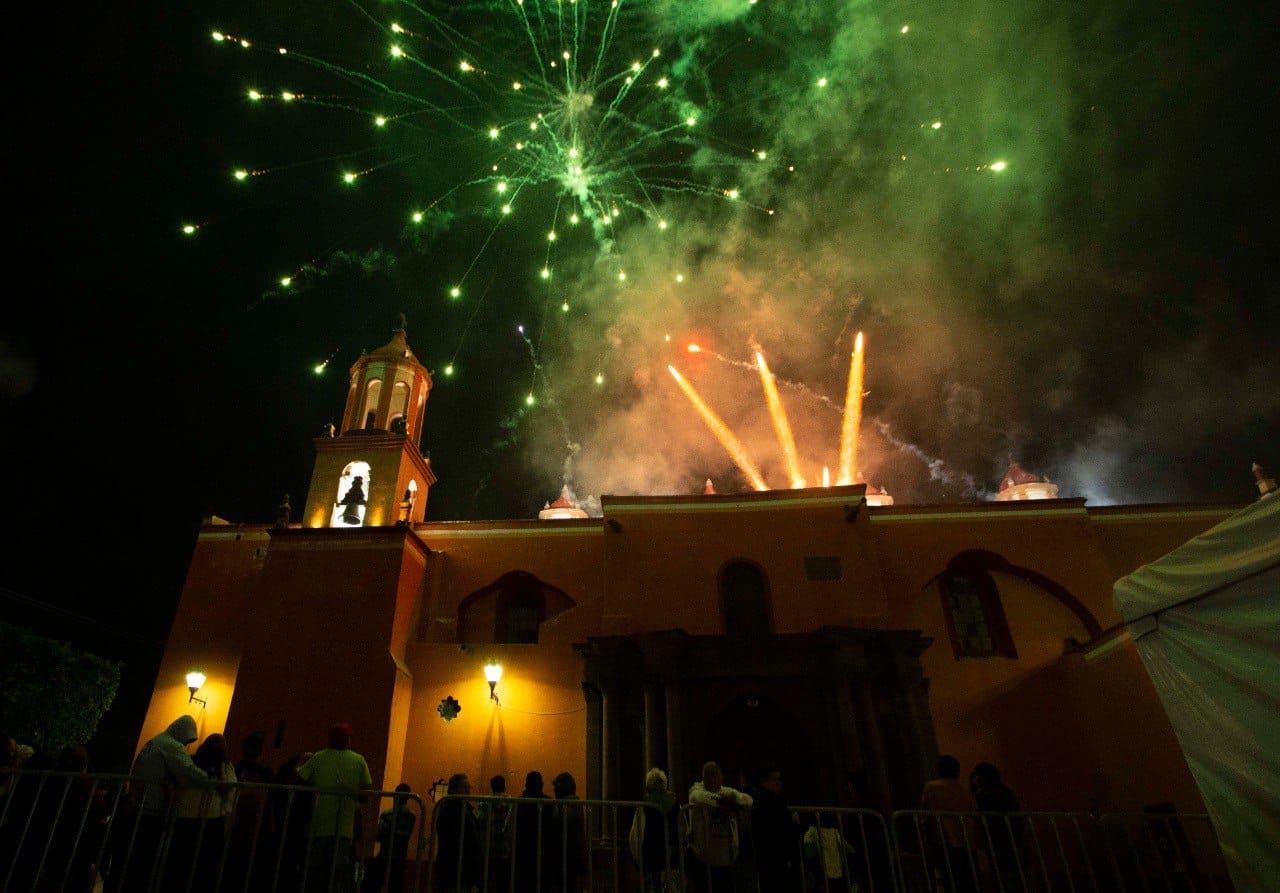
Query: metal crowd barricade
x=71, y=831
x=1045, y=852
x=1012, y=852
x=541, y=845
x=1160, y=852
x=838, y=850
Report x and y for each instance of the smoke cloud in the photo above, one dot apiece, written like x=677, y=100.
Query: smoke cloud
x=997, y=193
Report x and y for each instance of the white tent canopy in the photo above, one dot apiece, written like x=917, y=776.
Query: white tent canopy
x=1206, y=622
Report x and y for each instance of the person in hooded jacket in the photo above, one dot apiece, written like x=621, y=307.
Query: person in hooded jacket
x=162, y=767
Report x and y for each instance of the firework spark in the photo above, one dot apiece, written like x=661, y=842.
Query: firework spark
x=852, y=424
x=563, y=113
x=781, y=424
x=737, y=451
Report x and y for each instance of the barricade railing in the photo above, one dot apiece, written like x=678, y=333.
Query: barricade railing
x=541, y=845
x=1044, y=852
x=1161, y=852
x=71, y=831
x=499, y=844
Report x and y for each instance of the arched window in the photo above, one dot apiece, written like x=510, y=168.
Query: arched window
x=975, y=616
x=744, y=600
x=519, y=614
x=399, y=400
x=510, y=610
x=372, y=391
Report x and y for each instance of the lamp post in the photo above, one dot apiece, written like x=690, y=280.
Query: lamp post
x=492, y=675
x=195, y=681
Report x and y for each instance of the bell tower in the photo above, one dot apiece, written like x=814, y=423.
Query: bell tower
x=371, y=471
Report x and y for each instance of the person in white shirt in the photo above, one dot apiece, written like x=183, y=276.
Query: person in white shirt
x=830, y=853
x=712, y=819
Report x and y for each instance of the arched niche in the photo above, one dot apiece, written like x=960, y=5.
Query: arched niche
x=974, y=611
x=352, y=499
x=510, y=610
x=399, y=402
x=744, y=599
x=369, y=409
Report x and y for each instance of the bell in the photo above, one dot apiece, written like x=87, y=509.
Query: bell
x=351, y=514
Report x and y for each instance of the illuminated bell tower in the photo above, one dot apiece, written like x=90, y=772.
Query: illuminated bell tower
x=371, y=472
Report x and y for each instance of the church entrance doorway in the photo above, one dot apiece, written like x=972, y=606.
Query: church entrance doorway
x=754, y=734
x=814, y=705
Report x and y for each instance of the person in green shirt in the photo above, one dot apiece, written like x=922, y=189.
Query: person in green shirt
x=341, y=775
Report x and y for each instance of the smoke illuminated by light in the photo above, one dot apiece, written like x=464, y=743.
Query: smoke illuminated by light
x=727, y=438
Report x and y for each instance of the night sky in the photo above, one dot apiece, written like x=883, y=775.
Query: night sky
x=1099, y=306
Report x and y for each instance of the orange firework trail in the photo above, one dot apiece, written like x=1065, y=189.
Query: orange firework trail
x=726, y=437
x=852, y=416
x=781, y=425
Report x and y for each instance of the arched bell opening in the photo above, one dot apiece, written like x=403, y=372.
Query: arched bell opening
x=353, y=496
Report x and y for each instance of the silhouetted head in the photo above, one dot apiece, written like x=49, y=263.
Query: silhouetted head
x=73, y=759
x=184, y=729
x=498, y=784
x=251, y=748
x=948, y=767
x=986, y=775
x=655, y=780
x=712, y=776
x=533, y=782
x=771, y=780
x=211, y=754
x=403, y=788
x=564, y=785
x=459, y=784
x=340, y=736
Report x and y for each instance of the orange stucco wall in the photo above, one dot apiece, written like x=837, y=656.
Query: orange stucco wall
x=541, y=723
x=362, y=625
x=662, y=563
x=207, y=632
x=566, y=555
x=1131, y=536
x=330, y=613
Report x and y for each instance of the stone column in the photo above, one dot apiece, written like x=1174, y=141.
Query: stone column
x=919, y=723
x=852, y=754
x=611, y=750
x=595, y=738
x=874, y=744
x=655, y=750
x=677, y=768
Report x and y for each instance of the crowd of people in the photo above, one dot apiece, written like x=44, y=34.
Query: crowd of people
x=727, y=840
x=197, y=820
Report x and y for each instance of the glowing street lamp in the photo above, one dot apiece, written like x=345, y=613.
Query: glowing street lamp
x=493, y=675
x=195, y=681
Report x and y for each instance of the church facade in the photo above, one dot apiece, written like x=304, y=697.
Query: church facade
x=806, y=630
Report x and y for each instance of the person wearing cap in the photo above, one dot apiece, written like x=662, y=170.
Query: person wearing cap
x=341, y=774
x=162, y=766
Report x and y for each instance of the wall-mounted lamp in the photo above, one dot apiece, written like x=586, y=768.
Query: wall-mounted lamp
x=195, y=681
x=492, y=675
